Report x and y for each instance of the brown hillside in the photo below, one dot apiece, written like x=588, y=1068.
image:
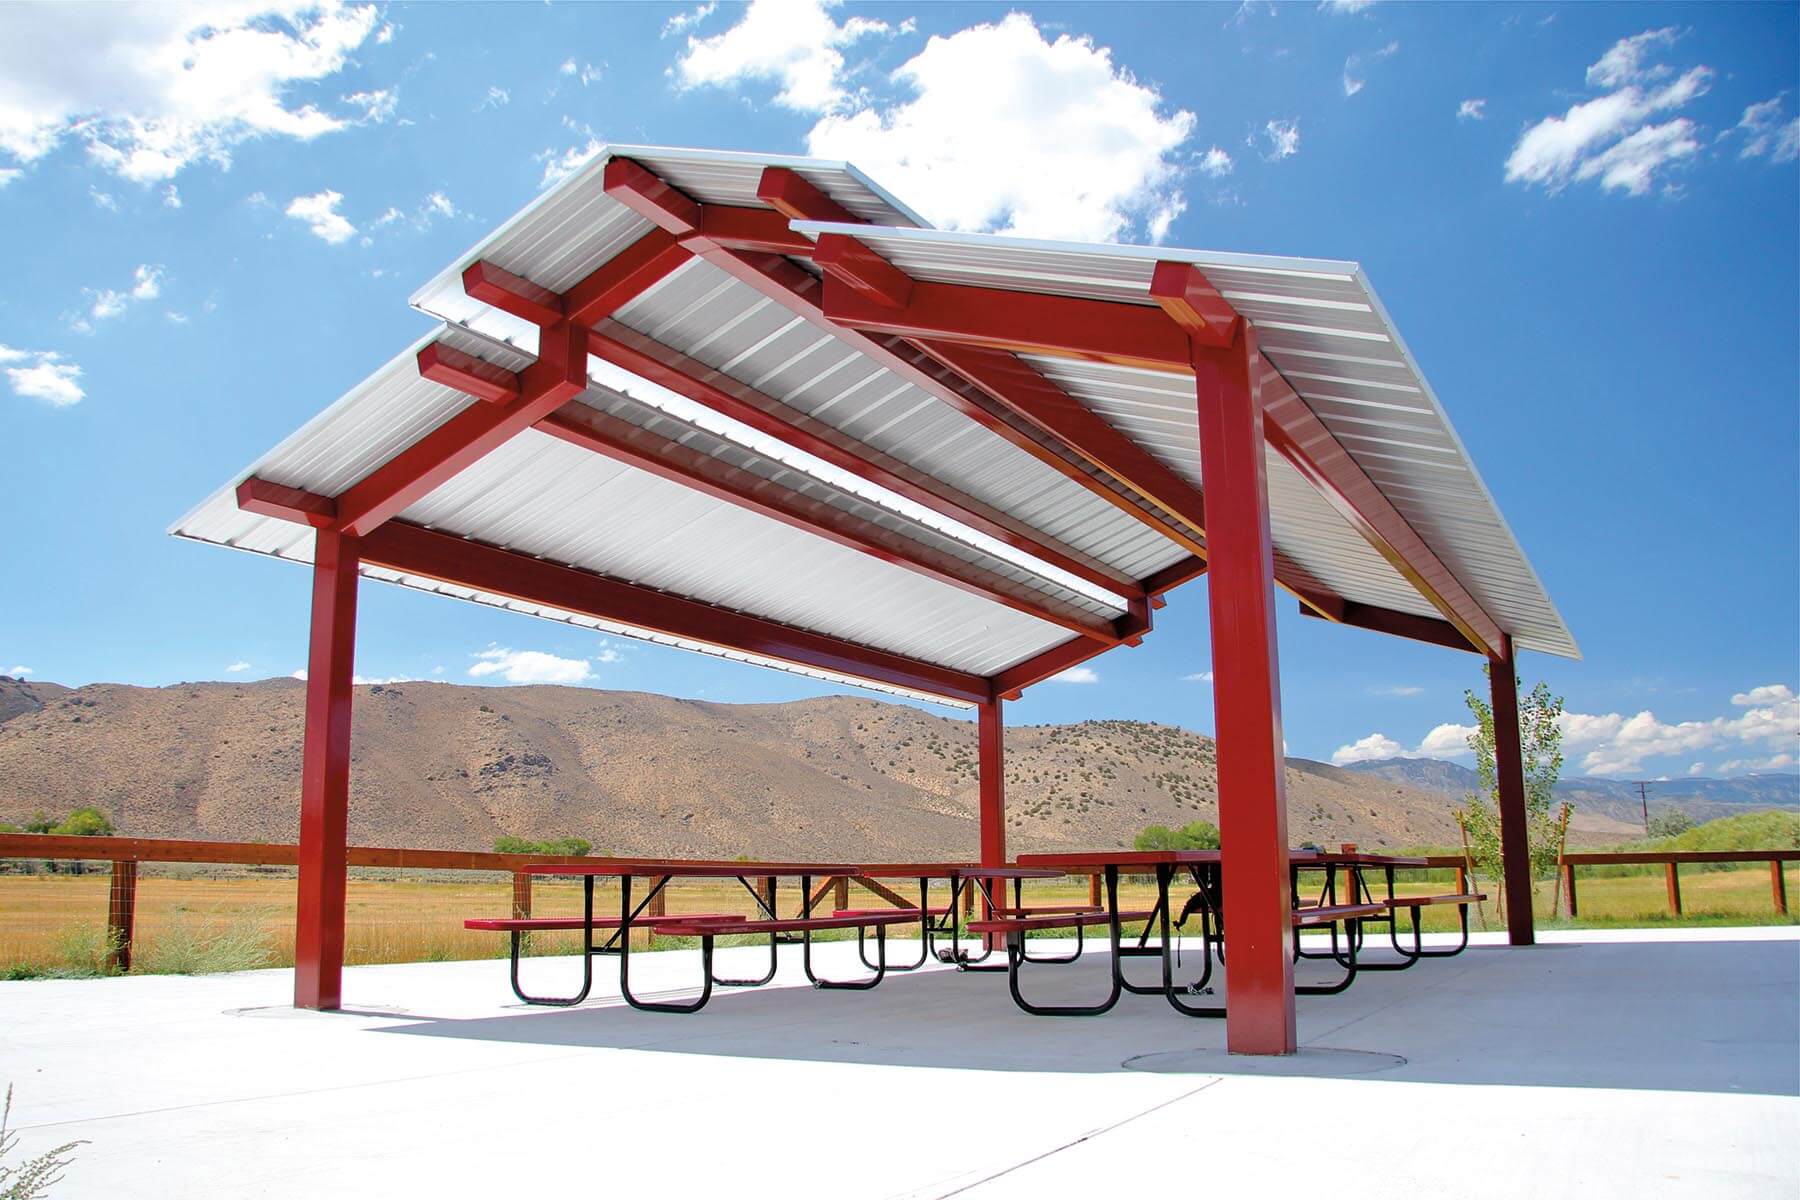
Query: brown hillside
x=443, y=765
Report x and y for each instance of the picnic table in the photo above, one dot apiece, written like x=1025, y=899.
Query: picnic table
x=961, y=877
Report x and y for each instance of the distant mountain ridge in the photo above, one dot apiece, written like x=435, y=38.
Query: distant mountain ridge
x=1617, y=799
x=455, y=766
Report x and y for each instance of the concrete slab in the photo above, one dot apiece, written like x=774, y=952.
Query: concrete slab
x=1613, y=1064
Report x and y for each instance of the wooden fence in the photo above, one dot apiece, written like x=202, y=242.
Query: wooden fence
x=126, y=853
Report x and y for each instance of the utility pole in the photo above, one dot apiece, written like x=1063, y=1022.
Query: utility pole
x=1643, y=787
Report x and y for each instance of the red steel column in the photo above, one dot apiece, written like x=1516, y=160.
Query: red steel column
x=325, y=774
x=1509, y=774
x=991, y=763
x=1246, y=699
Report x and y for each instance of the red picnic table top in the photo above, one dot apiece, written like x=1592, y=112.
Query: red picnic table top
x=1089, y=860
x=611, y=868
x=952, y=871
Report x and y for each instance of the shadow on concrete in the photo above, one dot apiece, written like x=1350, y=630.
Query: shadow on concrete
x=1697, y=1016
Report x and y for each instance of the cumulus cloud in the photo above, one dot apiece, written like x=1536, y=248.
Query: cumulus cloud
x=436, y=206
x=497, y=97
x=1619, y=744
x=20, y=672
x=1198, y=677
x=320, y=215
x=997, y=128
x=237, y=668
x=1345, y=6
x=559, y=166
x=793, y=43
x=1215, y=162
x=378, y=106
x=1398, y=689
x=529, y=666
x=1357, y=65
x=151, y=89
x=1472, y=110
x=1075, y=675
x=1764, y=132
x=42, y=375
x=1610, y=139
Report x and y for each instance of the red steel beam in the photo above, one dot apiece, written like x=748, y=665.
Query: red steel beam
x=1193, y=303
x=1399, y=624
x=417, y=551
x=990, y=753
x=1009, y=683
x=466, y=373
x=1509, y=786
x=624, y=277
x=1246, y=699
x=638, y=447
x=1300, y=437
x=325, y=775
x=558, y=376
x=1024, y=322
x=285, y=503
x=650, y=359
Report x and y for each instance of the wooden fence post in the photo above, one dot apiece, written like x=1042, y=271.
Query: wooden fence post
x=1568, y=878
x=121, y=915
x=1778, y=885
x=521, y=904
x=840, y=892
x=1094, y=891
x=1674, y=888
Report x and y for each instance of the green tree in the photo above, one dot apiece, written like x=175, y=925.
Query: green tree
x=1671, y=822
x=1540, y=743
x=84, y=822
x=573, y=846
x=39, y=823
x=1195, y=835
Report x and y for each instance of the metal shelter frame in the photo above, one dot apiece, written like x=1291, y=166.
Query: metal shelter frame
x=968, y=345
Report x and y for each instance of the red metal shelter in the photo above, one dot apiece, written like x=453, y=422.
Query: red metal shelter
x=752, y=406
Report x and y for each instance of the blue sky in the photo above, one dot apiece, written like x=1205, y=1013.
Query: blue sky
x=1582, y=217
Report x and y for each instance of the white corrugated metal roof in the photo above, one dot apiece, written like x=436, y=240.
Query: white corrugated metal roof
x=1321, y=326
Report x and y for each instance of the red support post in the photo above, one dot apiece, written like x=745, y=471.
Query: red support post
x=1246, y=698
x=1509, y=772
x=991, y=763
x=325, y=774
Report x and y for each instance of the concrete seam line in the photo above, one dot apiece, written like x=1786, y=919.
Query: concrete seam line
x=1088, y=1136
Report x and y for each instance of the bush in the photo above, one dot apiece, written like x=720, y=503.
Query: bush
x=1195, y=835
x=182, y=950
x=33, y=1177
x=84, y=822
x=1672, y=823
x=573, y=846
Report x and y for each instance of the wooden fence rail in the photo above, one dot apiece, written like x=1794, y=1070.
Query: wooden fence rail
x=126, y=853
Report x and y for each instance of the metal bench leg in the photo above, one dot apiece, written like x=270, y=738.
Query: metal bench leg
x=1056, y=959
x=1419, y=950
x=587, y=958
x=852, y=985
x=1347, y=960
x=1015, y=957
x=667, y=1006
x=1170, y=991
x=862, y=951
x=970, y=962
x=767, y=975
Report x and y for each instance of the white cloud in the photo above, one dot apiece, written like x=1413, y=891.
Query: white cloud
x=683, y=21
x=1075, y=675
x=103, y=199
x=529, y=666
x=586, y=72
x=1398, y=689
x=1355, y=67
x=793, y=43
x=319, y=212
x=497, y=97
x=146, y=282
x=438, y=205
x=1624, y=62
x=385, y=34
x=1345, y=6
x=171, y=196
x=558, y=167
x=21, y=672
x=1616, y=744
x=1764, y=133
x=1008, y=132
x=1215, y=162
x=1283, y=138
x=608, y=654
x=1198, y=677
x=237, y=668
x=1472, y=110
x=8, y=174
x=378, y=106
x=1375, y=746
x=154, y=88
x=47, y=378
x=1610, y=138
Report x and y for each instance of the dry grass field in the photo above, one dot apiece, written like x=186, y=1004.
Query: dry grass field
x=54, y=924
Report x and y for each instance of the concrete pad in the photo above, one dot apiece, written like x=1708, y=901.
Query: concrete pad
x=1617, y=1063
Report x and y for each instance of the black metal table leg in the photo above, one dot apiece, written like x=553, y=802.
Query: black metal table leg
x=706, y=959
